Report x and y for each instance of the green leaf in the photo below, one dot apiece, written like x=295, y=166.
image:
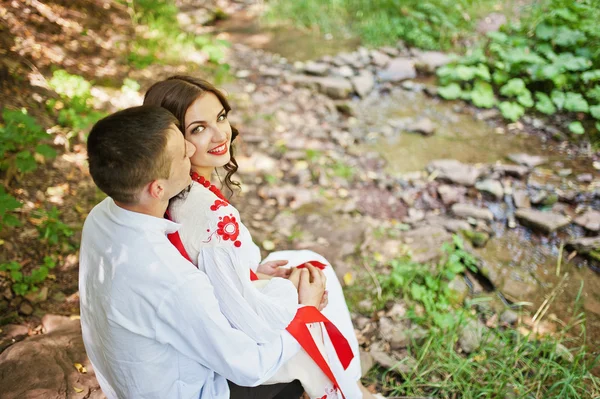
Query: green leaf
x=566, y=37
x=450, y=92
x=16, y=275
x=20, y=288
x=576, y=127
x=544, y=31
x=497, y=37
x=25, y=162
x=591, y=76
x=594, y=93
x=46, y=151
x=595, y=111
x=513, y=87
x=572, y=63
x=511, y=110
x=575, y=102
x=544, y=103
x=558, y=98
x=598, y=126
x=483, y=95
x=500, y=77
x=525, y=99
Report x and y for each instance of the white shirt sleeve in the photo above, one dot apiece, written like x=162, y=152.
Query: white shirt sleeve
x=190, y=320
x=261, y=309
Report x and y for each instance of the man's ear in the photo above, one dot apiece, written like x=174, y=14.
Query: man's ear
x=156, y=189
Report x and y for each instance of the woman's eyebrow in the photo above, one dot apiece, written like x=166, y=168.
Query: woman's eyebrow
x=202, y=121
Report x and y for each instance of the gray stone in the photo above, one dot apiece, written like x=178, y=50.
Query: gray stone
x=316, y=68
x=490, y=186
x=509, y=317
x=590, y=220
x=391, y=363
x=521, y=199
x=512, y=170
x=471, y=336
x=585, y=178
x=391, y=51
x=484, y=115
x=455, y=171
x=344, y=71
x=530, y=161
x=424, y=126
x=398, y=69
x=309, y=82
x=363, y=83
x=336, y=88
x=472, y=211
x=547, y=222
x=460, y=289
x=366, y=362
x=585, y=245
x=429, y=61
x=379, y=59
x=450, y=194
x=26, y=308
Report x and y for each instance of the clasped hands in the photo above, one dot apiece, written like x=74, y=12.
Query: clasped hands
x=309, y=281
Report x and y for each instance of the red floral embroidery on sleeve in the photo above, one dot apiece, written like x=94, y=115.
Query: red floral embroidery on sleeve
x=229, y=229
x=218, y=203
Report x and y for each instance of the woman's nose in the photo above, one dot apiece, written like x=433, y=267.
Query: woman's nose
x=218, y=135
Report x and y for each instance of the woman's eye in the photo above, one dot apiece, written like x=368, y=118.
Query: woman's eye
x=222, y=117
x=198, y=129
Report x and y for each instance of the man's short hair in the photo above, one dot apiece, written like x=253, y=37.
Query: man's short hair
x=128, y=149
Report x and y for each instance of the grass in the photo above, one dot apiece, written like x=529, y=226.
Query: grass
x=429, y=24
x=509, y=363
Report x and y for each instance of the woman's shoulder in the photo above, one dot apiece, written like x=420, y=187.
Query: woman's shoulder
x=199, y=201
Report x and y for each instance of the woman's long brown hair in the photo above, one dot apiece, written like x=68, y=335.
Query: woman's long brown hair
x=176, y=94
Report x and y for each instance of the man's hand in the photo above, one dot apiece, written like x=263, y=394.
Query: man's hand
x=312, y=286
x=295, y=277
x=274, y=269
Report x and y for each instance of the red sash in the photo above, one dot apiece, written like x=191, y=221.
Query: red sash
x=298, y=327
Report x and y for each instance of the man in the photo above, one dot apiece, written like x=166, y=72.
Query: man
x=151, y=325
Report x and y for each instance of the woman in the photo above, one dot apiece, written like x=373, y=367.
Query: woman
x=216, y=241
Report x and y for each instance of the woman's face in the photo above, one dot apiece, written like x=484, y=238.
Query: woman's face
x=207, y=128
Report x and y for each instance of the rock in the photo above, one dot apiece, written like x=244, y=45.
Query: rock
x=512, y=170
x=472, y=211
x=585, y=178
x=346, y=108
x=429, y=61
x=423, y=126
x=363, y=83
x=309, y=82
x=531, y=161
x=398, y=69
x=405, y=366
x=455, y=171
x=490, y=186
x=366, y=362
x=26, y=308
x=52, y=322
x=336, y=88
x=284, y=223
x=459, y=288
x=425, y=242
x=585, y=245
x=456, y=225
x=316, y=68
x=487, y=114
x=521, y=199
x=344, y=71
x=42, y=367
x=590, y=220
x=509, y=317
x=471, y=336
x=450, y=194
x=547, y=222
x=565, y=172
x=397, y=311
x=39, y=296
x=379, y=59
x=477, y=238
x=538, y=197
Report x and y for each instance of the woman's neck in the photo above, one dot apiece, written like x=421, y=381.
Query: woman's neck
x=205, y=172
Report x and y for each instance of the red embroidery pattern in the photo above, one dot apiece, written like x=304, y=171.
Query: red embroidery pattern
x=200, y=179
x=228, y=228
x=218, y=203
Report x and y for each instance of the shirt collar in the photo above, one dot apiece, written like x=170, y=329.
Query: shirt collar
x=141, y=220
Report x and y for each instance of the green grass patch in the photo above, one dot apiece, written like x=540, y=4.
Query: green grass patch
x=432, y=24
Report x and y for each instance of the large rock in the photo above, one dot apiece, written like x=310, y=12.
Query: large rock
x=429, y=61
x=335, y=87
x=424, y=126
x=472, y=336
x=512, y=170
x=454, y=171
x=472, y=211
x=547, y=222
x=521, y=199
x=398, y=69
x=42, y=366
x=316, y=68
x=584, y=245
x=531, y=161
x=379, y=59
x=490, y=186
x=363, y=83
x=450, y=194
x=590, y=220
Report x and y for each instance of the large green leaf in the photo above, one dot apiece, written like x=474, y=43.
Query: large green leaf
x=450, y=92
x=544, y=103
x=576, y=127
x=483, y=95
x=513, y=87
x=544, y=31
x=594, y=93
x=511, y=110
x=566, y=37
x=525, y=99
x=558, y=98
x=46, y=151
x=595, y=111
x=575, y=102
x=591, y=76
x=25, y=162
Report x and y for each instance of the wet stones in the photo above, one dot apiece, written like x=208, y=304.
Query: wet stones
x=423, y=126
x=316, y=68
x=493, y=187
x=531, y=161
x=521, y=199
x=398, y=69
x=472, y=211
x=429, y=61
x=546, y=222
x=364, y=83
x=589, y=220
x=454, y=171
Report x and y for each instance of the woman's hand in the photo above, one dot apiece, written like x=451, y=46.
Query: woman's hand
x=274, y=269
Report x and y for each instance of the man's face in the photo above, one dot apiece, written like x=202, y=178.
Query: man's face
x=180, y=151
